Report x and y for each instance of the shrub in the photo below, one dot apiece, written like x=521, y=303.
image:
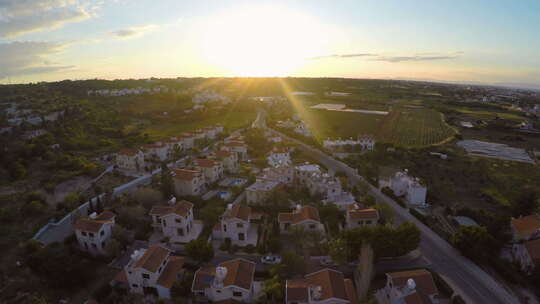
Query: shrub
x=249, y=248
x=418, y=215
x=233, y=249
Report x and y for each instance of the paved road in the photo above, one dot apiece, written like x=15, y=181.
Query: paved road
x=471, y=282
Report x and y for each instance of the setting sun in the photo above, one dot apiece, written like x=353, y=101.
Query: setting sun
x=262, y=41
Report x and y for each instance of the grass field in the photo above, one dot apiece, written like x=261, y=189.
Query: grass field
x=410, y=127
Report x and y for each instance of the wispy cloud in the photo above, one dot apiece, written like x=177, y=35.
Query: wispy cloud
x=379, y=57
x=29, y=57
x=19, y=17
x=132, y=32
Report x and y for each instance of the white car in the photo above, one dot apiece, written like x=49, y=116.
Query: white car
x=327, y=261
x=271, y=259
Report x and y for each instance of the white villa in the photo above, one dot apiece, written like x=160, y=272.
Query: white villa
x=188, y=182
x=158, y=151
x=306, y=217
x=152, y=271
x=130, y=159
x=326, y=286
x=359, y=217
x=279, y=157
x=235, y=225
x=212, y=169
x=232, y=280
x=176, y=221
x=93, y=233
x=403, y=184
x=362, y=143
x=229, y=160
x=409, y=287
x=283, y=175
x=260, y=191
x=306, y=171
x=303, y=130
x=238, y=147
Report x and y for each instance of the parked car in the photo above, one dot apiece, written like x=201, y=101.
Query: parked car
x=271, y=259
x=327, y=261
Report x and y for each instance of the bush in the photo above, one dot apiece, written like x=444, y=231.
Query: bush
x=388, y=192
x=418, y=215
x=233, y=249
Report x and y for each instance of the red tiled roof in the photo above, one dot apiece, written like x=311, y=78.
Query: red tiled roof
x=239, y=273
x=422, y=278
x=206, y=162
x=332, y=283
x=181, y=208
x=154, y=145
x=238, y=211
x=185, y=174
x=297, y=290
x=203, y=278
x=153, y=257
x=351, y=291
x=526, y=226
x=364, y=214
x=305, y=213
x=128, y=152
x=170, y=273
x=94, y=225
x=223, y=153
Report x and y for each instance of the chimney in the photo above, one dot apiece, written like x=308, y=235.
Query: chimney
x=221, y=273
x=93, y=215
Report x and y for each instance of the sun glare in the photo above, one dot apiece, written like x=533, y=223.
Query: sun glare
x=261, y=41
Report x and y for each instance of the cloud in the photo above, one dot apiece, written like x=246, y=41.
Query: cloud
x=343, y=56
x=378, y=57
x=132, y=32
x=19, y=17
x=29, y=57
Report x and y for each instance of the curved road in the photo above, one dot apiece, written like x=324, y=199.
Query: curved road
x=467, y=279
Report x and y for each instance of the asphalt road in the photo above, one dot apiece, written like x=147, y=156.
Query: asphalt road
x=467, y=279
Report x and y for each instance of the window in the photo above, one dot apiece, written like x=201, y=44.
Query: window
x=102, y=244
x=224, y=228
x=312, y=226
x=159, y=270
x=178, y=220
x=368, y=222
x=359, y=222
x=90, y=234
x=135, y=285
x=218, y=291
x=180, y=231
x=94, y=245
x=145, y=276
x=237, y=293
x=239, y=225
x=84, y=233
x=102, y=233
x=158, y=219
x=164, y=223
x=241, y=236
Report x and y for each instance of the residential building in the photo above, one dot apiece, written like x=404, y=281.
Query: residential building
x=93, y=233
x=130, y=159
x=403, y=184
x=235, y=225
x=231, y=280
x=188, y=182
x=356, y=216
x=283, y=175
x=176, y=221
x=525, y=228
x=362, y=143
x=303, y=217
x=212, y=169
x=342, y=200
x=527, y=254
x=409, y=287
x=240, y=148
x=188, y=140
x=174, y=146
x=324, y=185
x=157, y=151
x=302, y=129
x=228, y=159
x=152, y=272
x=258, y=192
x=326, y=286
x=305, y=171
x=279, y=157
x=274, y=139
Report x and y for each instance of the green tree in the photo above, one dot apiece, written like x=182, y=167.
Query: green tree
x=113, y=248
x=337, y=250
x=291, y=264
x=167, y=186
x=475, y=243
x=200, y=250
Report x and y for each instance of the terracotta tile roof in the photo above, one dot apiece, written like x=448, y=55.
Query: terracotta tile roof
x=235, y=144
x=94, y=225
x=206, y=162
x=297, y=290
x=170, y=273
x=239, y=273
x=364, y=214
x=422, y=278
x=152, y=258
x=280, y=150
x=181, y=208
x=223, y=153
x=203, y=278
x=305, y=213
x=238, y=211
x=526, y=226
x=351, y=291
x=332, y=283
x=533, y=247
x=128, y=152
x=185, y=174
x=154, y=145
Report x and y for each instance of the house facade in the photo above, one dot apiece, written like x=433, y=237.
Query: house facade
x=259, y=192
x=235, y=225
x=326, y=286
x=356, y=216
x=404, y=185
x=176, y=221
x=152, y=271
x=240, y=148
x=279, y=157
x=228, y=159
x=188, y=182
x=130, y=159
x=302, y=217
x=157, y=151
x=230, y=280
x=93, y=233
x=212, y=169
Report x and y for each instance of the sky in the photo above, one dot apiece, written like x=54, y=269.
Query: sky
x=489, y=42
